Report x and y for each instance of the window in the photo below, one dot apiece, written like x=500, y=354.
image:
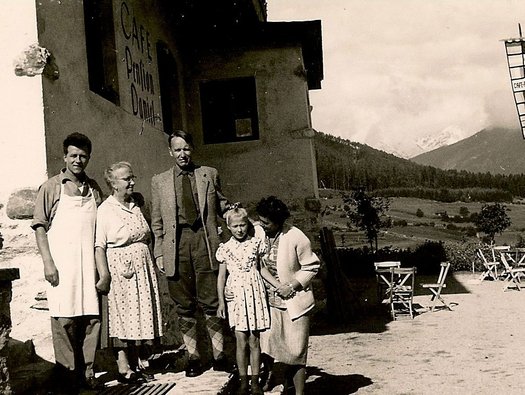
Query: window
x=229, y=110
x=100, y=47
x=169, y=89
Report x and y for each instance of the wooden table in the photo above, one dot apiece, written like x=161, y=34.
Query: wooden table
x=383, y=275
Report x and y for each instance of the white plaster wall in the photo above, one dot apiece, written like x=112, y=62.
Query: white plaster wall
x=22, y=149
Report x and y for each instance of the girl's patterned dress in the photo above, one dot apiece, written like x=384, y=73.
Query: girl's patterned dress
x=248, y=311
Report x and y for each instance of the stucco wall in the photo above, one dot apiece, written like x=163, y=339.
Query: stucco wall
x=117, y=134
x=70, y=106
x=281, y=162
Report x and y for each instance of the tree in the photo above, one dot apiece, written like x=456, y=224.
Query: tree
x=420, y=213
x=464, y=211
x=492, y=219
x=365, y=212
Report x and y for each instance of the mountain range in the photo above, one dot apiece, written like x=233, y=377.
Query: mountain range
x=493, y=150
x=409, y=149
x=347, y=165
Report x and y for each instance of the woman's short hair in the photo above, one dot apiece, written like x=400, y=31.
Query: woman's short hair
x=237, y=212
x=183, y=135
x=78, y=140
x=109, y=173
x=274, y=209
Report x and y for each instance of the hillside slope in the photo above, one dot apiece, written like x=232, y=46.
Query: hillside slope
x=497, y=151
x=346, y=165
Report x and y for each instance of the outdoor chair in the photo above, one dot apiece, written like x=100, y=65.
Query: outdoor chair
x=435, y=288
x=511, y=275
x=402, y=291
x=497, y=250
x=491, y=267
x=382, y=270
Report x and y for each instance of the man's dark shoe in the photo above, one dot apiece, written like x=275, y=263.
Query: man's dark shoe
x=147, y=376
x=91, y=383
x=221, y=364
x=129, y=378
x=194, y=368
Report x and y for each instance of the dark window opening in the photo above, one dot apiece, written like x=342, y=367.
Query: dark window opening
x=101, y=50
x=229, y=110
x=169, y=89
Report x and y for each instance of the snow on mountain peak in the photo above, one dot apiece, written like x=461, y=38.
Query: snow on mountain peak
x=447, y=136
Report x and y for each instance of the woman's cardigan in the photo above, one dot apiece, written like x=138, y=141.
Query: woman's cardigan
x=296, y=260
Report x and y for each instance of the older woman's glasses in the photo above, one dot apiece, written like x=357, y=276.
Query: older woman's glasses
x=128, y=179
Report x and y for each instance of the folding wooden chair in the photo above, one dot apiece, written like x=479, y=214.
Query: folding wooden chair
x=511, y=274
x=382, y=270
x=491, y=267
x=497, y=250
x=436, y=288
x=402, y=291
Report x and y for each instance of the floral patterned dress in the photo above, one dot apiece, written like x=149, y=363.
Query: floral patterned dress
x=133, y=299
x=248, y=310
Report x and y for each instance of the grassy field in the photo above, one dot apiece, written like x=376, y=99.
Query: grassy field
x=418, y=229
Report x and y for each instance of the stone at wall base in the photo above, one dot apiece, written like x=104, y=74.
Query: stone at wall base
x=21, y=203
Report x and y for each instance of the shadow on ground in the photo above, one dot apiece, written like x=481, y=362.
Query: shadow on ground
x=319, y=382
x=27, y=370
x=368, y=314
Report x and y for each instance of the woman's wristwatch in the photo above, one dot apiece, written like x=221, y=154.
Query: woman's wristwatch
x=293, y=290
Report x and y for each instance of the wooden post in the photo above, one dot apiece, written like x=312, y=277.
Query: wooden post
x=340, y=299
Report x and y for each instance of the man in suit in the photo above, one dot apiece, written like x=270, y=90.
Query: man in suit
x=186, y=201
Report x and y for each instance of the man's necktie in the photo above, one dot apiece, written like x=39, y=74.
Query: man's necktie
x=190, y=211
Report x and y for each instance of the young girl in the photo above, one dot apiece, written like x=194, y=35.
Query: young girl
x=248, y=312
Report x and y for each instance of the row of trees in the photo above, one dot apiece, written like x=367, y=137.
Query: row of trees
x=449, y=195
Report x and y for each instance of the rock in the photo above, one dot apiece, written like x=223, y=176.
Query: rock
x=21, y=203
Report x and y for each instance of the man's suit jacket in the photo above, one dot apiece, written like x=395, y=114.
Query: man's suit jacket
x=164, y=213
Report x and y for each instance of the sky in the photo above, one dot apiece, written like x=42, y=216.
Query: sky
x=396, y=71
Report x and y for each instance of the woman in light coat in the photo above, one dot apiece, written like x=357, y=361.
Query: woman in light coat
x=289, y=266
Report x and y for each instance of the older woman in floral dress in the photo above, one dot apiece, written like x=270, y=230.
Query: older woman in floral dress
x=122, y=243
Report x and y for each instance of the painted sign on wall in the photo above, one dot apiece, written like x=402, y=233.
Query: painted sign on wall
x=139, y=60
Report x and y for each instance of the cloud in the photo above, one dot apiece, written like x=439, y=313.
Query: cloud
x=397, y=71
x=502, y=113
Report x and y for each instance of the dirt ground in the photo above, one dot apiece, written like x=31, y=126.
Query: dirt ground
x=478, y=348
x=475, y=349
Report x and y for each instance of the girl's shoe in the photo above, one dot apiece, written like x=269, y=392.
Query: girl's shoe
x=244, y=388
x=255, y=386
